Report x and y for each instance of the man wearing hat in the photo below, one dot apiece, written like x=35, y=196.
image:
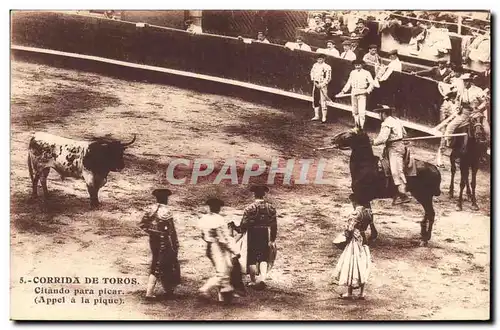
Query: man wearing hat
x=361, y=33
x=391, y=134
x=220, y=249
x=471, y=99
x=158, y=222
x=321, y=74
x=300, y=45
x=260, y=224
x=437, y=73
x=361, y=83
x=329, y=50
x=347, y=54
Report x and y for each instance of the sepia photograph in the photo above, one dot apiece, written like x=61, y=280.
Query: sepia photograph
x=250, y=165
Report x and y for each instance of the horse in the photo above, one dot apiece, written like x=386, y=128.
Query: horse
x=371, y=183
x=469, y=150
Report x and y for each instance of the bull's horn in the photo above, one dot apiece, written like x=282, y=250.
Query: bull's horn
x=127, y=144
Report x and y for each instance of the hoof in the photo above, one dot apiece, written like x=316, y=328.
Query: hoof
x=459, y=207
x=475, y=207
x=450, y=194
x=424, y=243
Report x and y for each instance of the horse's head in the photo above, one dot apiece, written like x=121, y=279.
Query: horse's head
x=351, y=139
x=477, y=129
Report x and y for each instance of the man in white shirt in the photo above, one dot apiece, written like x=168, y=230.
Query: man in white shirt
x=321, y=74
x=361, y=83
x=348, y=54
x=394, y=65
x=329, y=50
x=300, y=45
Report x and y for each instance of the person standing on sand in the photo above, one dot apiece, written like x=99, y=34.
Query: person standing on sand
x=353, y=267
x=158, y=222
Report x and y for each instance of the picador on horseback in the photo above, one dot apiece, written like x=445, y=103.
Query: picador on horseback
x=391, y=134
x=471, y=102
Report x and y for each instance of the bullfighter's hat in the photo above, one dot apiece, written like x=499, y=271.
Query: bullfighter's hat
x=384, y=108
x=361, y=21
x=372, y=46
x=215, y=202
x=321, y=55
x=161, y=192
x=357, y=61
x=259, y=189
x=347, y=42
x=393, y=52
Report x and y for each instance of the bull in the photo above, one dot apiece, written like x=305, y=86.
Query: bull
x=91, y=161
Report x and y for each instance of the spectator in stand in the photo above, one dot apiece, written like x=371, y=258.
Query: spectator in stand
x=299, y=44
x=316, y=24
x=327, y=26
x=329, y=50
x=437, y=41
x=192, y=28
x=361, y=30
x=437, y=73
x=262, y=38
x=362, y=33
x=479, y=49
x=372, y=57
x=347, y=54
x=358, y=51
x=418, y=35
x=483, y=79
x=337, y=29
x=394, y=65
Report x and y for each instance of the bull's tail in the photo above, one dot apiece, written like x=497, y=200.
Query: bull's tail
x=30, y=167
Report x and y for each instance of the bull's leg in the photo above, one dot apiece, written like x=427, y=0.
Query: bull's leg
x=475, y=207
x=34, y=185
x=94, y=200
x=453, y=167
x=43, y=180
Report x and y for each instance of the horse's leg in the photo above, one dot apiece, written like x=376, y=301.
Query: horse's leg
x=453, y=167
x=430, y=215
x=474, y=169
x=464, y=178
x=425, y=221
